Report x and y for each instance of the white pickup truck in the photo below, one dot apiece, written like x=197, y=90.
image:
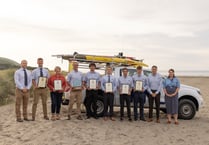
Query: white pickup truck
x=190, y=99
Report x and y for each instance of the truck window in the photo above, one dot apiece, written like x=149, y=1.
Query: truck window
x=146, y=72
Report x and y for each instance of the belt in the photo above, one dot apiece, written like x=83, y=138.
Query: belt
x=42, y=88
x=22, y=90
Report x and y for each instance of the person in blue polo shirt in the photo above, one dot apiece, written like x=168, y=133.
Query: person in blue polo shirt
x=140, y=86
x=154, y=88
x=109, y=86
x=92, y=84
x=125, y=85
x=171, y=87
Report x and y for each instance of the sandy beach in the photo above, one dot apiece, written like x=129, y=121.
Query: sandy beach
x=100, y=132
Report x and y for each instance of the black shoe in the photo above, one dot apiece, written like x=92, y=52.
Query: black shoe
x=142, y=119
x=95, y=117
x=130, y=119
x=26, y=119
x=135, y=119
x=19, y=120
x=121, y=119
x=88, y=117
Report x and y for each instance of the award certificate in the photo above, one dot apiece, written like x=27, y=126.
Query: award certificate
x=41, y=82
x=57, y=85
x=138, y=86
x=108, y=87
x=93, y=84
x=76, y=85
x=125, y=89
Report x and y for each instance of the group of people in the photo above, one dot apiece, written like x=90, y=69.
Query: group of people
x=137, y=87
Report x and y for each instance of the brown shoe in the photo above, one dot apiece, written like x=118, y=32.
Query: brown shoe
x=33, y=119
x=57, y=117
x=79, y=117
x=158, y=121
x=112, y=119
x=149, y=120
x=26, y=119
x=53, y=118
x=105, y=118
x=19, y=120
x=68, y=117
x=176, y=123
x=46, y=118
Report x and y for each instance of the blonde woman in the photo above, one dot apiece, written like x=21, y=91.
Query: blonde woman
x=56, y=84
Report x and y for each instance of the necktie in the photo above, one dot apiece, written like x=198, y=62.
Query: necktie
x=41, y=72
x=108, y=78
x=25, y=78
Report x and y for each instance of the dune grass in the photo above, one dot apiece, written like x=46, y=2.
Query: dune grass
x=7, y=86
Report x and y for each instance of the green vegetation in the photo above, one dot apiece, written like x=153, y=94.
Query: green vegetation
x=7, y=86
x=6, y=63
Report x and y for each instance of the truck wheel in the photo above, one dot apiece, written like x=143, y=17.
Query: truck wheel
x=187, y=109
x=100, y=106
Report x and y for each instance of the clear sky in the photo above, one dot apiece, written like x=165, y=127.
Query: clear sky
x=168, y=33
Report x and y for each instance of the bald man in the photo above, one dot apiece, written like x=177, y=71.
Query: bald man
x=75, y=81
x=23, y=81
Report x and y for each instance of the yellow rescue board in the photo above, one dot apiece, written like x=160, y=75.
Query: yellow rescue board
x=115, y=60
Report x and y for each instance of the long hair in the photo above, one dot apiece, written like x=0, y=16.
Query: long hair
x=172, y=70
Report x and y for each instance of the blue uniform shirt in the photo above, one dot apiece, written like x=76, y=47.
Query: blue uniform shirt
x=125, y=81
x=75, y=78
x=174, y=82
x=91, y=76
x=112, y=80
x=154, y=83
x=142, y=78
x=20, y=81
x=36, y=74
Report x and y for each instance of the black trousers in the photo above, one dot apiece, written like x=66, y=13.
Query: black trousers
x=91, y=98
x=125, y=98
x=157, y=104
x=108, y=103
x=139, y=98
x=56, y=99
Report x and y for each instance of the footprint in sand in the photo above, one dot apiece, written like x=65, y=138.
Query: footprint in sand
x=180, y=140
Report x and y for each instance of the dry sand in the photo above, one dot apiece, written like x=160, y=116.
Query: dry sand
x=99, y=132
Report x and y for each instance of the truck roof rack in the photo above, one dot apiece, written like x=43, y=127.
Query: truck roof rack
x=102, y=61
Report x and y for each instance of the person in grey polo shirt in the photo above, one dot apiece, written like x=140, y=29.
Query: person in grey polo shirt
x=154, y=88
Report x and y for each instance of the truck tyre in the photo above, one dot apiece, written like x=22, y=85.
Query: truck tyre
x=187, y=109
x=100, y=106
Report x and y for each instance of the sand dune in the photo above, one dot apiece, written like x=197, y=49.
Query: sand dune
x=100, y=132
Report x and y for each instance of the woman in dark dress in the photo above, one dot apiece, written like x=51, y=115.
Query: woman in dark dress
x=171, y=87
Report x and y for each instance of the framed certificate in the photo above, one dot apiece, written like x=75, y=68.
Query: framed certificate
x=108, y=87
x=125, y=89
x=57, y=85
x=76, y=85
x=93, y=84
x=138, y=86
x=42, y=82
